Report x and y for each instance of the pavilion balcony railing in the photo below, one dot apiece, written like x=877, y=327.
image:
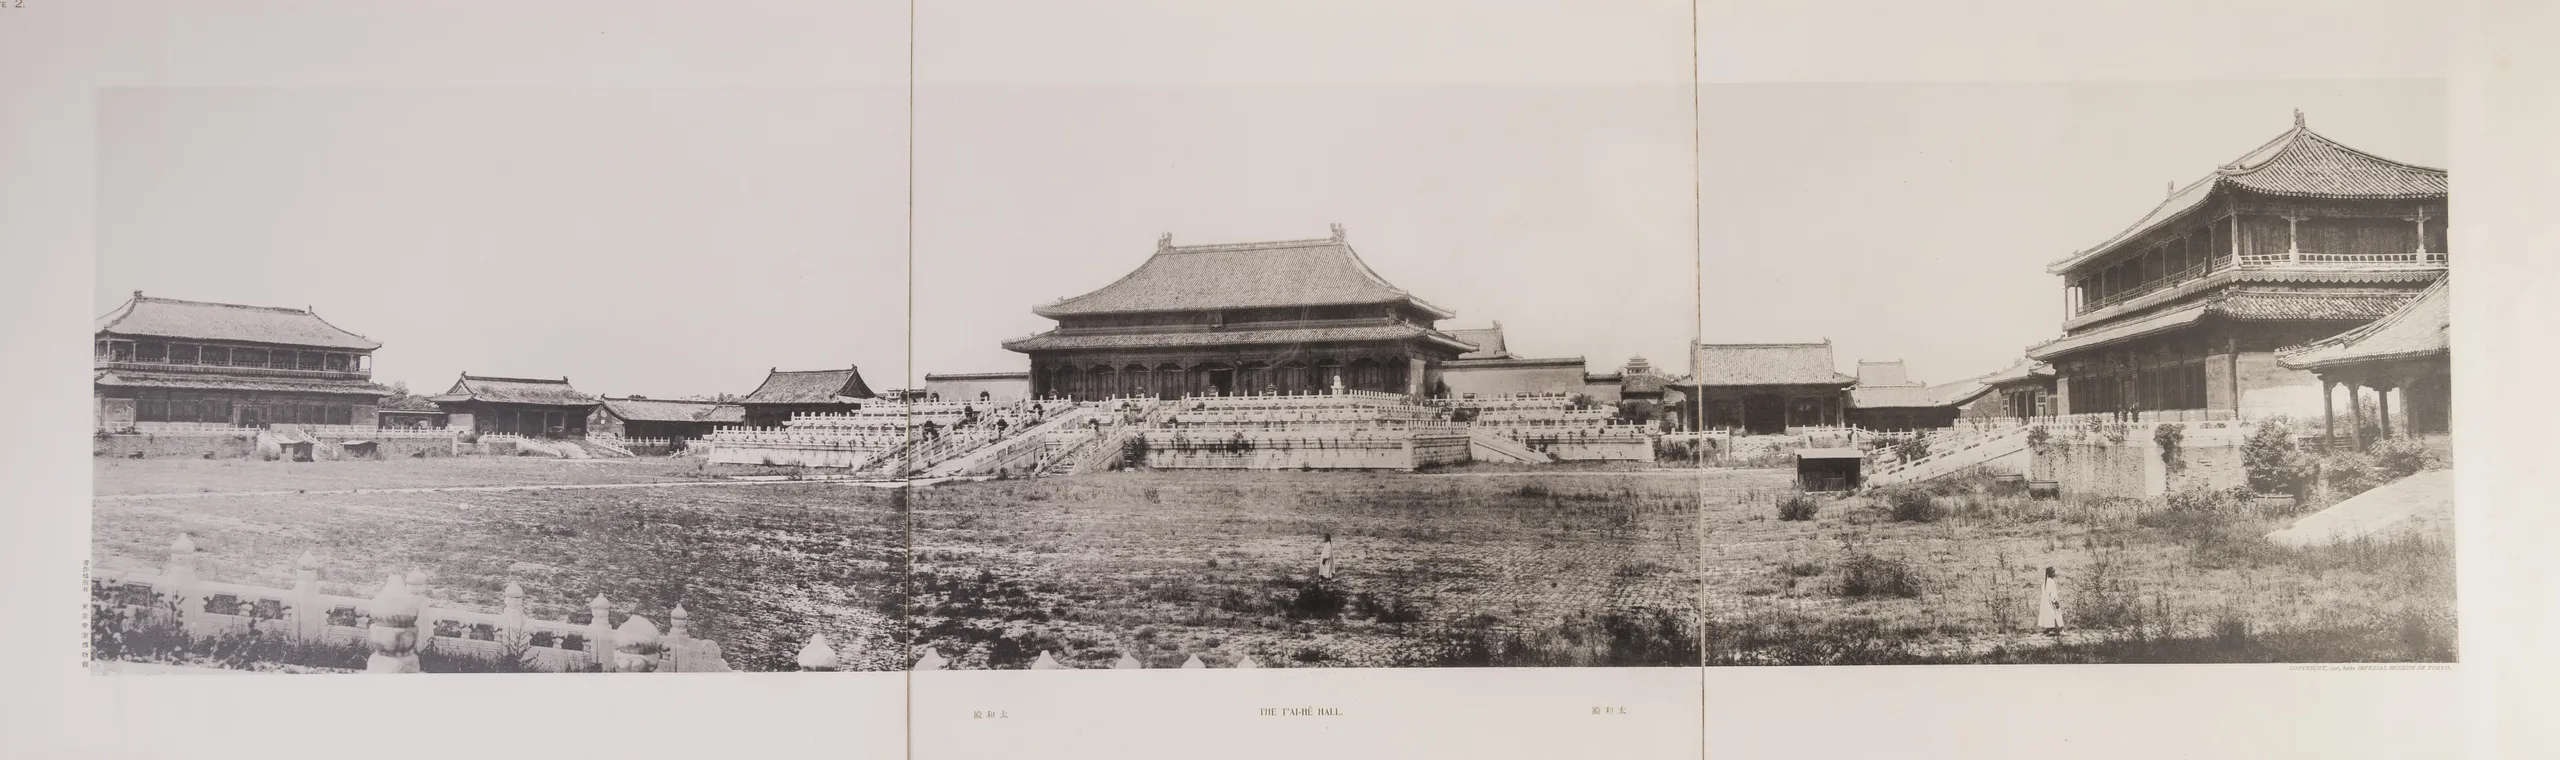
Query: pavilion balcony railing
x=2283, y=258
x=2259, y=261
x=164, y=364
x=2145, y=288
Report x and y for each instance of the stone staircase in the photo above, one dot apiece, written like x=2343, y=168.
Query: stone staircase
x=604, y=447
x=1951, y=454
x=1486, y=445
x=1004, y=452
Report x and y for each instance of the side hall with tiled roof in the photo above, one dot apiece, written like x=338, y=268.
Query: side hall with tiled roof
x=1887, y=398
x=1764, y=387
x=676, y=419
x=532, y=407
x=785, y=393
x=2406, y=356
x=165, y=360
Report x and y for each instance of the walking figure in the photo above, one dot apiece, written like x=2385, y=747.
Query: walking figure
x=1324, y=559
x=2049, y=609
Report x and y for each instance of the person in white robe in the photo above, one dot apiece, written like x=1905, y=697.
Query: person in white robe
x=2049, y=608
x=1324, y=559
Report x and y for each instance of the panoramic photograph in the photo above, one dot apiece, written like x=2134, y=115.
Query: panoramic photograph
x=2103, y=373
x=2092, y=373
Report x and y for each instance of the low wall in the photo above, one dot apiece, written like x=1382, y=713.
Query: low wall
x=790, y=454
x=1571, y=449
x=244, y=443
x=1262, y=450
x=2102, y=461
x=179, y=595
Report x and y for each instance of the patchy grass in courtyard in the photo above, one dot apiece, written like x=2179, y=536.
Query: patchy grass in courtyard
x=759, y=567
x=1878, y=579
x=1593, y=568
x=117, y=477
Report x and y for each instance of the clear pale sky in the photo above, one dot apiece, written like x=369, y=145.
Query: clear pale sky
x=1563, y=211
x=1530, y=163
x=681, y=241
x=1914, y=221
x=657, y=242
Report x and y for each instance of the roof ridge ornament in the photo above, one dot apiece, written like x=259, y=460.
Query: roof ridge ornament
x=1164, y=242
x=2297, y=119
x=1338, y=237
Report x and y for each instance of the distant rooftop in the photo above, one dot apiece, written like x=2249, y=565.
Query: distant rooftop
x=820, y=386
x=1732, y=364
x=515, y=390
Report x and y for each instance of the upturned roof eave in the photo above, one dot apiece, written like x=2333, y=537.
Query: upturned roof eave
x=2230, y=176
x=1052, y=311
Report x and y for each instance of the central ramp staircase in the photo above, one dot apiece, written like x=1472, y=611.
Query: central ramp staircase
x=1020, y=449
x=1953, y=453
x=1488, y=445
x=605, y=447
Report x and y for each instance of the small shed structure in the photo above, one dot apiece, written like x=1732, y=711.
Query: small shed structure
x=1829, y=470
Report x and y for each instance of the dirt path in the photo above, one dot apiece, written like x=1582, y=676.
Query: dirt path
x=742, y=481
x=1558, y=473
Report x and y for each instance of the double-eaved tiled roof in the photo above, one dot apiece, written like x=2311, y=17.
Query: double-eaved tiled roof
x=2251, y=304
x=1319, y=272
x=1731, y=364
x=820, y=386
x=2418, y=328
x=144, y=317
x=1054, y=340
x=2299, y=163
x=514, y=390
x=2241, y=304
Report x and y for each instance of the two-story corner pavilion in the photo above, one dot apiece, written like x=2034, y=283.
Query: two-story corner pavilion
x=2181, y=314
x=1287, y=316
x=166, y=360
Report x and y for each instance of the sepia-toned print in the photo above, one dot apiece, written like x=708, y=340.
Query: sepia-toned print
x=2230, y=445
x=476, y=382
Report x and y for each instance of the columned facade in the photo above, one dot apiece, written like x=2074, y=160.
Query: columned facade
x=1383, y=368
x=1291, y=316
x=2182, y=315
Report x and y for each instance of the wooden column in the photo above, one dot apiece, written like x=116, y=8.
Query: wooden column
x=2235, y=240
x=2355, y=406
x=2382, y=401
x=2328, y=416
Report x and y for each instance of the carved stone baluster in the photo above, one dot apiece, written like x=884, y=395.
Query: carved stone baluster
x=310, y=617
x=817, y=656
x=393, y=634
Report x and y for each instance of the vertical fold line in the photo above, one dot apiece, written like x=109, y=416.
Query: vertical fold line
x=906, y=494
